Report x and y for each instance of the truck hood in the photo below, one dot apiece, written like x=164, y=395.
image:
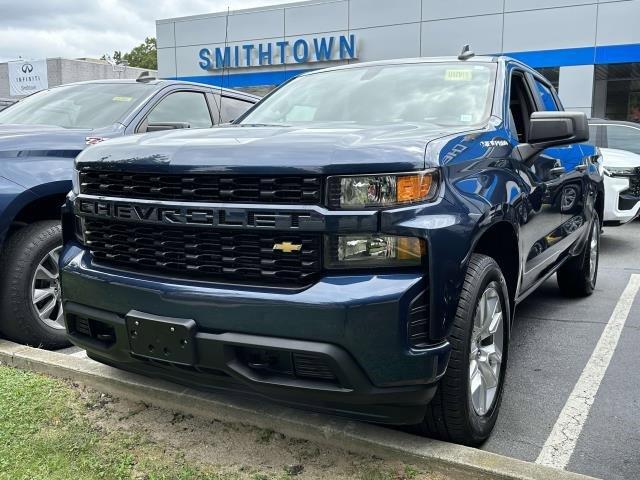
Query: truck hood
x=317, y=149
x=33, y=155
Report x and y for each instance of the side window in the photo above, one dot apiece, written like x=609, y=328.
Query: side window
x=232, y=108
x=546, y=96
x=182, y=107
x=521, y=107
x=623, y=138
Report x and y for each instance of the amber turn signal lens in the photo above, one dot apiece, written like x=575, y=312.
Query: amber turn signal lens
x=410, y=248
x=364, y=191
x=414, y=188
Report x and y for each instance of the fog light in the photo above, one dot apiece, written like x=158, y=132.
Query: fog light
x=377, y=250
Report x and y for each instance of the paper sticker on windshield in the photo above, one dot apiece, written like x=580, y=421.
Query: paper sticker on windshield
x=122, y=99
x=457, y=75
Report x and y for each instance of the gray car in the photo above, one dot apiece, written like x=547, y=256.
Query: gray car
x=40, y=137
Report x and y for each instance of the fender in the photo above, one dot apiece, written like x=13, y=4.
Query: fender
x=13, y=198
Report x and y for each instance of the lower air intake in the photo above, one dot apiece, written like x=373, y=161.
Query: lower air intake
x=418, y=331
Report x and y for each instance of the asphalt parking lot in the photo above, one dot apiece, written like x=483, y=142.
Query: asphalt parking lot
x=552, y=342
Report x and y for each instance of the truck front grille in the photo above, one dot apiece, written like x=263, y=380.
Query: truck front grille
x=205, y=254
x=203, y=187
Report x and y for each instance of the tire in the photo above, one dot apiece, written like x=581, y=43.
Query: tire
x=452, y=415
x=578, y=276
x=19, y=315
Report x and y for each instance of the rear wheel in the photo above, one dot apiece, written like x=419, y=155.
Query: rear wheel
x=30, y=296
x=465, y=407
x=578, y=276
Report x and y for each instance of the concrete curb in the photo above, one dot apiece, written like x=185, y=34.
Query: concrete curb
x=454, y=461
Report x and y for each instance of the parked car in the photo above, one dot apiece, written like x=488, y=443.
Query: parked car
x=6, y=102
x=39, y=138
x=356, y=243
x=619, y=144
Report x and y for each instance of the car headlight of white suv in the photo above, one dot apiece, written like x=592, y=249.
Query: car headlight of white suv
x=620, y=171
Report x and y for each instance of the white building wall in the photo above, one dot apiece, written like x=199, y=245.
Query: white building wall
x=618, y=22
x=576, y=88
x=550, y=29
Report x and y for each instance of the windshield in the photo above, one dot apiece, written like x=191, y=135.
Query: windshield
x=90, y=105
x=448, y=94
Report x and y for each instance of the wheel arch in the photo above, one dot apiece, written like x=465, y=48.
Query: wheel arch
x=33, y=205
x=500, y=241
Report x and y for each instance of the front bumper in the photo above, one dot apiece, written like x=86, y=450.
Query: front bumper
x=354, y=325
x=620, y=205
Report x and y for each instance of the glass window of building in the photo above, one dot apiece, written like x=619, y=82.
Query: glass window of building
x=616, y=93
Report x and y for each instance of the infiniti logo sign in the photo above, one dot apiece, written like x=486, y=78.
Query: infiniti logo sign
x=27, y=77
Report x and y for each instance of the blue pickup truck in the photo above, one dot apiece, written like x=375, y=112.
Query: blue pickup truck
x=40, y=137
x=356, y=243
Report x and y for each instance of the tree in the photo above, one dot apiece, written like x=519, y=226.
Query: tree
x=117, y=56
x=144, y=55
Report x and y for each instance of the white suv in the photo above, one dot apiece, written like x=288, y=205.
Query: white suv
x=619, y=143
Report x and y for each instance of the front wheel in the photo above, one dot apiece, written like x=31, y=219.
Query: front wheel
x=578, y=276
x=30, y=297
x=465, y=407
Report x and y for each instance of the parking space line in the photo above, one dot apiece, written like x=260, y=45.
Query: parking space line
x=558, y=448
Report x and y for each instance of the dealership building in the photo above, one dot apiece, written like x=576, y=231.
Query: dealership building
x=589, y=49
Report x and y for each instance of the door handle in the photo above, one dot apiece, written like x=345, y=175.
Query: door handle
x=557, y=171
x=581, y=168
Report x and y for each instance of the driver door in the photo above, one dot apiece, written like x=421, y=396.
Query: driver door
x=543, y=178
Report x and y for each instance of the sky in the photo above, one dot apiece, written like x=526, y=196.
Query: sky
x=34, y=29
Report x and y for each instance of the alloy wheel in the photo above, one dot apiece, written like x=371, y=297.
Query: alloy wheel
x=46, y=294
x=485, y=358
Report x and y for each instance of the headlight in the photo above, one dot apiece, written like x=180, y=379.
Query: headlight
x=377, y=250
x=363, y=191
x=76, y=181
x=621, y=171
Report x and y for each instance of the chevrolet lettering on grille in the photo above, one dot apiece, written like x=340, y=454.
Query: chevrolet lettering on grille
x=199, y=215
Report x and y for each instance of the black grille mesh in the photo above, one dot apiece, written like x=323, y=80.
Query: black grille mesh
x=210, y=254
x=634, y=186
x=203, y=187
x=419, y=321
x=309, y=365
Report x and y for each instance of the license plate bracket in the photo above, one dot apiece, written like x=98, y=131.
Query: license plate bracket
x=167, y=339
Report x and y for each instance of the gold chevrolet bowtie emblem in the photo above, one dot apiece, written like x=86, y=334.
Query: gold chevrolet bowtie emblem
x=287, y=247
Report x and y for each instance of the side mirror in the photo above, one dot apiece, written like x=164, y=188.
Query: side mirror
x=554, y=129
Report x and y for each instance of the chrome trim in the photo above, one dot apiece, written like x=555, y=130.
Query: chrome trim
x=300, y=218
